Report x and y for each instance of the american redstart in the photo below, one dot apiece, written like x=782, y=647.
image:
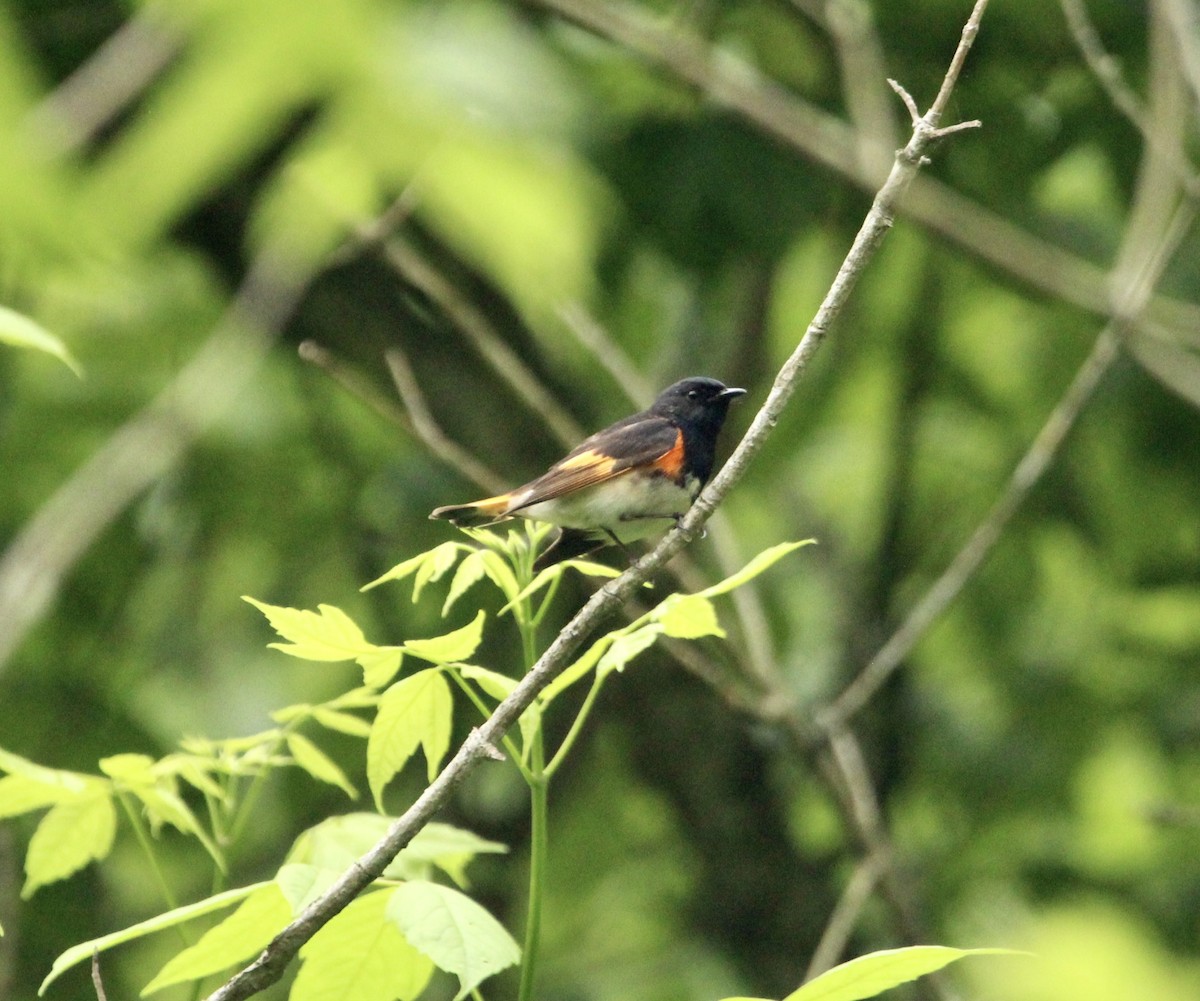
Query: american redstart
x=635, y=478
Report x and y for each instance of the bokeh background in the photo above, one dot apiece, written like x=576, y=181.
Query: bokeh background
x=498, y=226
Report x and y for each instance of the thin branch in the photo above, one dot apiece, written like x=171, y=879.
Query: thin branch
x=355, y=383
x=862, y=68
x=826, y=140
x=91, y=97
x=607, y=352
x=1028, y=472
x=968, y=560
x=1184, y=22
x=1105, y=68
x=479, y=331
x=1107, y=71
x=97, y=980
x=847, y=775
x=845, y=916
x=270, y=965
x=429, y=431
x=138, y=453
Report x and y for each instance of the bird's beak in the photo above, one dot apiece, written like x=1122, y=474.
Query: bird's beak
x=731, y=392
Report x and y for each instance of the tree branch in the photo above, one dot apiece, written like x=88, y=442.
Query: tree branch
x=270, y=966
x=37, y=559
x=826, y=140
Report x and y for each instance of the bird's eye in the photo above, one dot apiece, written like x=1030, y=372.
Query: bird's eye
x=693, y=394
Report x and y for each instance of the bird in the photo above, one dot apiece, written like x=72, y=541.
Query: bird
x=635, y=478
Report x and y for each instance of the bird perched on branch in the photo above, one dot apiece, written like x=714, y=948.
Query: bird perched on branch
x=633, y=479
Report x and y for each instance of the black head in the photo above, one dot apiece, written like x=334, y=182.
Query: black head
x=696, y=400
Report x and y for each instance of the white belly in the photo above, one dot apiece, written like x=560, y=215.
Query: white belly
x=635, y=506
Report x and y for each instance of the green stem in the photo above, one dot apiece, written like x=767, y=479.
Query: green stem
x=242, y=812
x=538, y=845
x=539, y=794
x=576, y=727
x=143, y=837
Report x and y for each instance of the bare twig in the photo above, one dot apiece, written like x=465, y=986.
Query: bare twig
x=356, y=384
x=952, y=580
x=1183, y=20
x=862, y=68
x=847, y=775
x=429, y=431
x=270, y=965
x=1100, y=61
x=588, y=332
x=1131, y=297
x=845, y=916
x=137, y=454
x=826, y=140
x=480, y=332
x=92, y=96
x=1107, y=71
x=97, y=980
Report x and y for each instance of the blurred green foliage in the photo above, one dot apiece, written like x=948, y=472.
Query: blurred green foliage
x=1037, y=758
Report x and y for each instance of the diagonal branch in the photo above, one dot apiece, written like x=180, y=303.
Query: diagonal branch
x=272, y=963
x=35, y=562
x=826, y=140
x=1156, y=227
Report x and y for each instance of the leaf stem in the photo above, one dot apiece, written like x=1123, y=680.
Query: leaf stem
x=576, y=726
x=539, y=790
x=143, y=837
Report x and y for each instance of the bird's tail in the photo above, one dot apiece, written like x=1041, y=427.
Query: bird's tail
x=475, y=514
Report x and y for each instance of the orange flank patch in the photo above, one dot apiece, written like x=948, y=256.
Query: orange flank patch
x=670, y=463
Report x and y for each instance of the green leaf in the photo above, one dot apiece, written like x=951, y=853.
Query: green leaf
x=20, y=331
x=576, y=671
x=130, y=769
x=454, y=931
x=469, y=572
x=877, y=972
x=415, y=711
x=626, y=646
x=551, y=573
x=440, y=560
x=380, y=665
x=762, y=562
x=20, y=794
x=449, y=848
x=442, y=555
x=361, y=956
x=70, y=836
x=328, y=634
x=84, y=950
x=337, y=843
x=194, y=770
x=457, y=645
x=500, y=574
x=71, y=782
x=302, y=883
x=347, y=723
x=687, y=617
x=318, y=764
x=498, y=686
x=242, y=934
